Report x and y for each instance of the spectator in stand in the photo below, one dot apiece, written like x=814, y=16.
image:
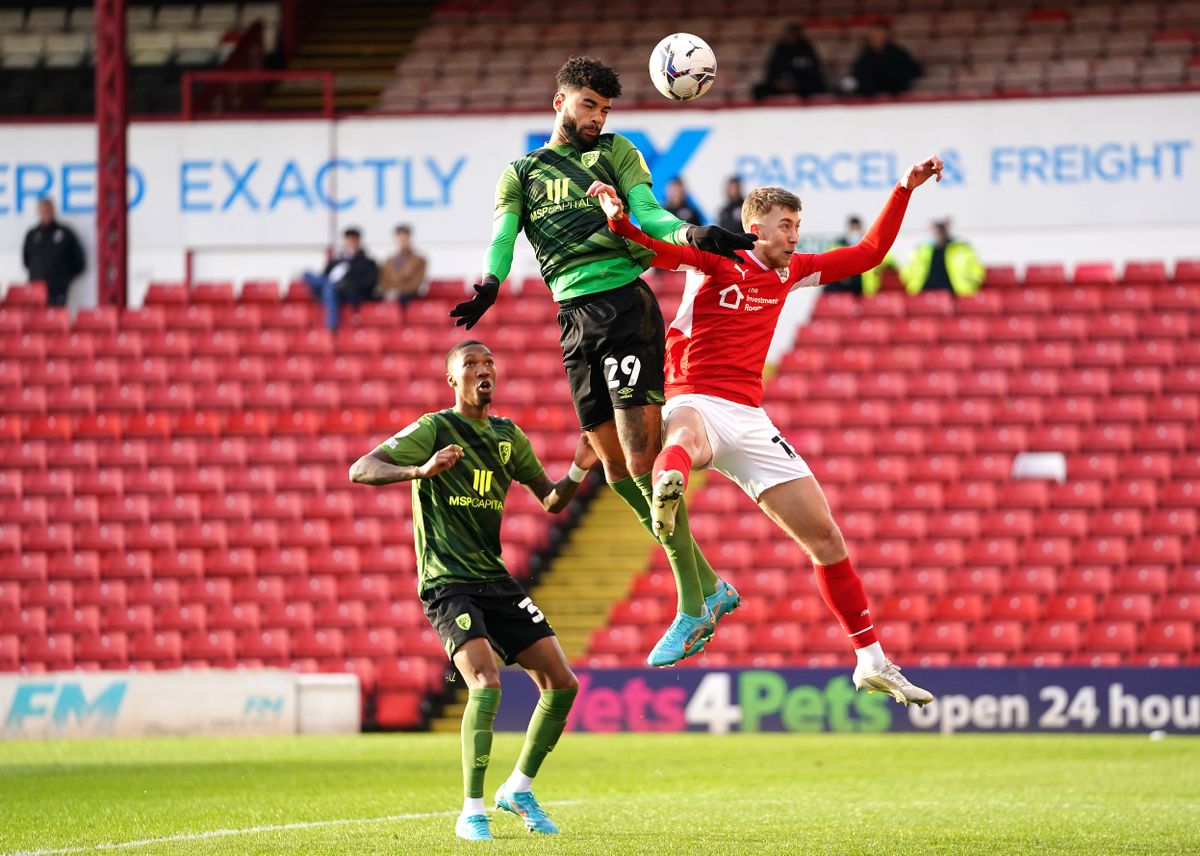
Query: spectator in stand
x=730, y=217
x=792, y=69
x=943, y=264
x=865, y=284
x=680, y=204
x=403, y=274
x=882, y=67
x=349, y=277
x=52, y=254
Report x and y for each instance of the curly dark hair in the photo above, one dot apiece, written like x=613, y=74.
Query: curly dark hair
x=584, y=71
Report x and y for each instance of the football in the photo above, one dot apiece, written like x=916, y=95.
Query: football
x=683, y=67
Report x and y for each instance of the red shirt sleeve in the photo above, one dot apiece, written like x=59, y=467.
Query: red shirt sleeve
x=666, y=256
x=869, y=252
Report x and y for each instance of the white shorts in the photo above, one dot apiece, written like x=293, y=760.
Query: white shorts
x=746, y=445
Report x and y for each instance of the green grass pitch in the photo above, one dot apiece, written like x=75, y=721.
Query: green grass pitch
x=619, y=794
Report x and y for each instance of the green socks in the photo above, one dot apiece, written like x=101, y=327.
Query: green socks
x=545, y=727
x=680, y=548
x=477, y=720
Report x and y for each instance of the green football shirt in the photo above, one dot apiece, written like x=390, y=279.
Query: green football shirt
x=547, y=191
x=457, y=514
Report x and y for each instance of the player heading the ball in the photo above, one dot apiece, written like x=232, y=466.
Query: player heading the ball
x=611, y=328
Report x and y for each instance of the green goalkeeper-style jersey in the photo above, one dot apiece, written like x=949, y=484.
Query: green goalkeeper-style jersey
x=457, y=514
x=547, y=191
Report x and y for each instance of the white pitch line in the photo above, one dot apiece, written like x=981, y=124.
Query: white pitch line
x=249, y=830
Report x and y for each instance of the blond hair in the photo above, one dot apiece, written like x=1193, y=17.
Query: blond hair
x=761, y=200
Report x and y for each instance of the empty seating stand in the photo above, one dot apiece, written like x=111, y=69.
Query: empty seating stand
x=174, y=491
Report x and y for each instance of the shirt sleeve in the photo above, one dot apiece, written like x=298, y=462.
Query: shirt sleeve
x=510, y=199
x=630, y=166
x=498, y=259
x=527, y=466
x=666, y=256
x=413, y=445
x=868, y=253
x=657, y=221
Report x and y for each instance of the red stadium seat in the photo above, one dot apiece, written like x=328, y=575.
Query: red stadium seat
x=313, y=589
x=154, y=593
x=345, y=615
x=371, y=642
x=266, y=645
x=218, y=592
x=1101, y=551
x=1117, y=637
x=236, y=617
x=318, y=643
x=959, y=607
x=183, y=618
x=1128, y=607
x=1176, y=637
x=401, y=614
x=1144, y=579
x=78, y=621
x=217, y=647
x=1061, y=637
x=399, y=708
x=230, y=562
x=1008, y=524
x=109, y=649
x=1002, y=636
x=264, y=590
x=622, y=640
x=949, y=637
x=164, y=649
x=826, y=637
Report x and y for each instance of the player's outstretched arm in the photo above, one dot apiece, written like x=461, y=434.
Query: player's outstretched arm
x=377, y=468
x=555, y=496
x=873, y=248
x=659, y=223
x=666, y=256
x=497, y=261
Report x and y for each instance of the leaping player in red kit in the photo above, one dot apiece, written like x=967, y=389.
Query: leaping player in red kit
x=716, y=348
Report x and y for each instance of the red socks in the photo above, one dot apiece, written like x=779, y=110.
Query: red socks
x=673, y=458
x=843, y=593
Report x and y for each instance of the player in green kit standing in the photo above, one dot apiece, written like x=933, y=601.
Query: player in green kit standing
x=461, y=462
x=612, y=332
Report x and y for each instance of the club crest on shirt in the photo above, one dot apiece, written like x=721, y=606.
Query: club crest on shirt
x=589, y=158
x=464, y=621
x=504, y=447
x=782, y=273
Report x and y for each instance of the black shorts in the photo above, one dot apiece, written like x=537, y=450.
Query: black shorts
x=613, y=346
x=499, y=611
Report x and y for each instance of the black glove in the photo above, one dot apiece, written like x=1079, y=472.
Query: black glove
x=714, y=239
x=470, y=311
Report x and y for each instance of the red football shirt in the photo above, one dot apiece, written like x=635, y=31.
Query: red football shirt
x=717, y=344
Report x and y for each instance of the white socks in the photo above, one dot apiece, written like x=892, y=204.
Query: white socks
x=871, y=657
x=518, y=782
x=472, y=806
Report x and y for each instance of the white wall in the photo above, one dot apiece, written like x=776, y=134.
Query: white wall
x=1112, y=178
